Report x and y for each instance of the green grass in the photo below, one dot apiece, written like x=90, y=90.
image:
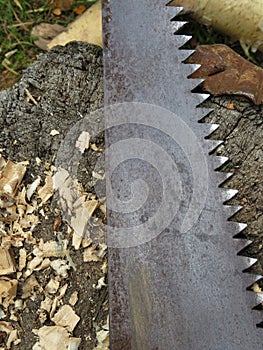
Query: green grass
x=17, y=49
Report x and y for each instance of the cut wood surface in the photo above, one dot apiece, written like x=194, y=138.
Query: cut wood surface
x=240, y=19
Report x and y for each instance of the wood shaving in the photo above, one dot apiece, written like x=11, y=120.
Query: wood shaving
x=54, y=132
x=32, y=188
x=73, y=298
x=101, y=283
x=102, y=339
x=83, y=141
x=30, y=287
x=66, y=317
x=7, y=263
x=90, y=254
x=7, y=328
x=60, y=267
x=8, y=290
x=52, y=286
x=53, y=248
x=10, y=179
x=46, y=192
x=55, y=337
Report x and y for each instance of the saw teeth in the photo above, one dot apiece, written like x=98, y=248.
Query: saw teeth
x=241, y=244
x=228, y=194
x=238, y=228
x=184, y=54
x=176, y=25
x=231, y=210
x=249, y=262
x=223, y=177
x=219, y=161
x=213, y=144
x=212, y=129
x=202, y=97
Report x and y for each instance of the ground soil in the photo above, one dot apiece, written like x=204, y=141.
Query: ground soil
x=67, y=84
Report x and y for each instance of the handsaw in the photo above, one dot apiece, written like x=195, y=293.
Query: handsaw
x=175, y=279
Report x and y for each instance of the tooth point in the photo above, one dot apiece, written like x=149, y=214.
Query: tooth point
x=237, y=228
x=176, y=25
x=219, y=161
x=227, y=194
x=231, y=210
x=213, y=144
x=213, y=128
x=249, y=262
x=241, y=227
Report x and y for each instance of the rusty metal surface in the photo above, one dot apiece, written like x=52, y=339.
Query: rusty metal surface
x=181, y=286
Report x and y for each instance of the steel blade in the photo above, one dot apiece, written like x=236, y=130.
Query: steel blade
x=175, y=280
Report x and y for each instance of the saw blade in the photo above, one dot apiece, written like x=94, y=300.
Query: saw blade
x=175, y=280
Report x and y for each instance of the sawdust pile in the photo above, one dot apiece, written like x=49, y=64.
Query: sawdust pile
x=22, y=255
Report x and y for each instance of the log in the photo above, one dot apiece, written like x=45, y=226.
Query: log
x=65, y=85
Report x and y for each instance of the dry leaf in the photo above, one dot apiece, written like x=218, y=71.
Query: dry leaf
x=63, y=5
x=57, y=11
x=45, y=32
x=78, y=10
x=225, y=72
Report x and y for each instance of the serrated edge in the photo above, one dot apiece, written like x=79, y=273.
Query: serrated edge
x=218, y=162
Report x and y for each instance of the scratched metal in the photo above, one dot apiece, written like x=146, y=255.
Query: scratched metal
x=178, y=291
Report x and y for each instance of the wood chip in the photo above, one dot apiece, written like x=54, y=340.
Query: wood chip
x=83, y=141
x=53, y=248
x=54, y=132
x=30, y=287
x=32, y=188
x=10, y=179
x=66, y=317
x=47, y=190
x=55, y=337
x=8, y=289
x=7, y=263
x=90, y=254
x=52, y=286
x=60, y=267
x=73, y=298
